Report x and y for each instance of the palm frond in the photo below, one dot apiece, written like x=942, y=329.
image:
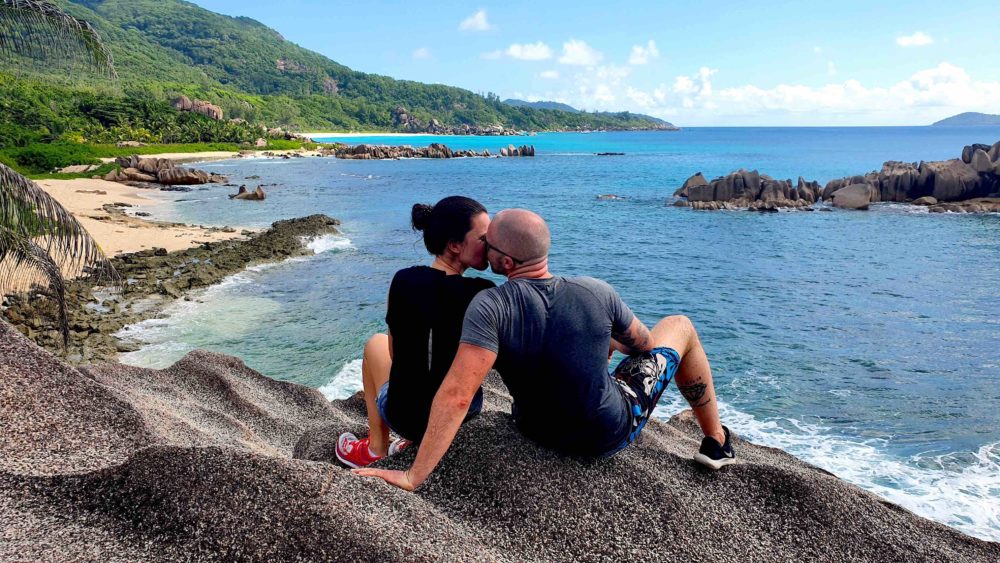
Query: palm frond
x=29, y=214
x=41, y=29
x=24, y=256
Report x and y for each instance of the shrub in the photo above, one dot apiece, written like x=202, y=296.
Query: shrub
x=40, y=158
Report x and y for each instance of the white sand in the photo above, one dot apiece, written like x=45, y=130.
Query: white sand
x=376, y=134
x=118, y=234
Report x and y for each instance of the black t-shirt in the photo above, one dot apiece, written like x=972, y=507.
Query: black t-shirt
x=425, y=314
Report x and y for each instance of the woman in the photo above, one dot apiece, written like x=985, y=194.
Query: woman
x=402, y=370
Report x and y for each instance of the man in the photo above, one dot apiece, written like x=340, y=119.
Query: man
x=550, y=337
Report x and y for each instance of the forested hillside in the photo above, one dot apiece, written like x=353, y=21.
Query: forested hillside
x=167, y=48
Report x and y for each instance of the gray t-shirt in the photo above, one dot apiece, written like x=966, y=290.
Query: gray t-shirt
x=552, y=338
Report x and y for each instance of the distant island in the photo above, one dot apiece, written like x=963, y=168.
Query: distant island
x=969, y=119
x=559, y=106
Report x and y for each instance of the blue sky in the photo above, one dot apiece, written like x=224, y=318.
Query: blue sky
x=692, y=63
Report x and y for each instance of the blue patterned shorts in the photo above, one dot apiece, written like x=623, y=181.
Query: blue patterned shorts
x=642, y=379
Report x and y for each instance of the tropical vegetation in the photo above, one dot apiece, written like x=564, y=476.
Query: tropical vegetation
x=38, y=237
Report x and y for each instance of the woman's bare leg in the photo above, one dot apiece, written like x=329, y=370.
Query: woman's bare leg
x=694, y=376
x=374, y=373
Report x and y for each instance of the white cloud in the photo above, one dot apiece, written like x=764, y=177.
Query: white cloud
x=530, y=51
x=576, y=52
x=916, y=40
x=422, y=53
x=831, y=68
x=550, y=74
x=643, y=54
x=694, y=99
x=476, y=22
x=818, y=50
x=491, y=55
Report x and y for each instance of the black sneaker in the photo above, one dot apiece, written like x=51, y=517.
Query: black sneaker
x=714, y=455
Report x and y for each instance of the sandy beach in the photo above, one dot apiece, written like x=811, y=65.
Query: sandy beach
x=371, y=134
x=120, y=232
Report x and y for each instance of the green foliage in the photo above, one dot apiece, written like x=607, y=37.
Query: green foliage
x=99, y=171
x=39, y=158
x=53, y=116
x=165, y=48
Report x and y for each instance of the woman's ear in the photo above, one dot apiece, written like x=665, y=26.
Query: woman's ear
x=454, y=248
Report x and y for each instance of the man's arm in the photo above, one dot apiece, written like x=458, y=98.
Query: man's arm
x=450, y=406
x=635, y=340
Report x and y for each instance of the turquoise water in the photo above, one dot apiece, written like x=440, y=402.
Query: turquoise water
x=865, y=343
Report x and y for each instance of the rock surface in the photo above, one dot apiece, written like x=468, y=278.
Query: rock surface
x=434, y=150
x=243, y=194
x=855, y=196
x=748, y=189
x=159, y=171
x=199, y=461
x=183, y=103
x=976, y=174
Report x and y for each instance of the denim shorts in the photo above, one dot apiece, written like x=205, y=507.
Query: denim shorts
x=382, y=400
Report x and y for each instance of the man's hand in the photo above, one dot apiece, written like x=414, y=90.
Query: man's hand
x=399, y=479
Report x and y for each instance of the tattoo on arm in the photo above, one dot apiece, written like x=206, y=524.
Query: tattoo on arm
x=694, y=394
x=636, y=339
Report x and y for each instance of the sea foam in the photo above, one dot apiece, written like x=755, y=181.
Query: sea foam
x=345, y=383
x=961, y=490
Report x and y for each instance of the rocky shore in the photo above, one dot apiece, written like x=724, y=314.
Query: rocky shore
x=151, y=279
x=160, y=171
x=210, y=460
x=970, y=183
x=434, y=150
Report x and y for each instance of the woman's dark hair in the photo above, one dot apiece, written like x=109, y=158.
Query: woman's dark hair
x=447, y=221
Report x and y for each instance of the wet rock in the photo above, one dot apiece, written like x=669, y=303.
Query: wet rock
x=926, y=200
x=855, y=196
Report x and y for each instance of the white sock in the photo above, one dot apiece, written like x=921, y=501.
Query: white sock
x=371, y=453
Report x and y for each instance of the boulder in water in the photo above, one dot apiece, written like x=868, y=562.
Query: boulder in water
x=855, y=196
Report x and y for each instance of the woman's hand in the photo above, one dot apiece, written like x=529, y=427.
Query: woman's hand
x=399, y=479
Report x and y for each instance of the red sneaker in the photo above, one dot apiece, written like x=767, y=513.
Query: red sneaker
x=355, y=453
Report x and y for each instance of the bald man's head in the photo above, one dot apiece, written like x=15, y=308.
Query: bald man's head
x=521, y=233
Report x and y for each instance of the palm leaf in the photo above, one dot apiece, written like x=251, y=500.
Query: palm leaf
x=40, y=29
x=23, y=255
x=29, y=214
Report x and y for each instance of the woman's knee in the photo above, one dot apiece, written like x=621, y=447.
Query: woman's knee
x=377, y=340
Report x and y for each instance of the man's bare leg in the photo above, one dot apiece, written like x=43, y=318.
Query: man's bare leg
x=375, y=366
x=694, y=376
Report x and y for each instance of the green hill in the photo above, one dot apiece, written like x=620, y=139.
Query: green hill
x=167, y=48
x=969, y=119
x=541, y=105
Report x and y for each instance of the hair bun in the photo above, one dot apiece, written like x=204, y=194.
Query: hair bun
x=420, y=215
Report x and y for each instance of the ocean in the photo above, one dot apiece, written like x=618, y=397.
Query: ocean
x=866, y=343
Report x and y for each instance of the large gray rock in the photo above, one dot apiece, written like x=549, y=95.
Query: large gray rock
x=696, y=180
x=208, y=459
x=833, y=185
x=981, y=162
x=180, y=175
x=950, y=180
x=808, y=191
x=926, y=200
x=969, y=150
x=855, y=196
x=994, y=152
x=898, y=181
